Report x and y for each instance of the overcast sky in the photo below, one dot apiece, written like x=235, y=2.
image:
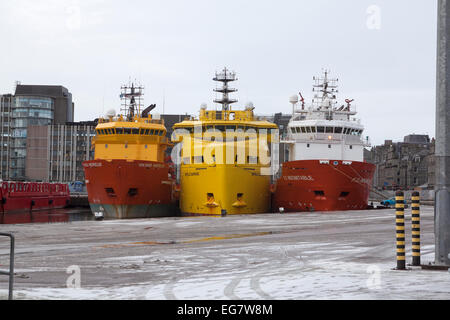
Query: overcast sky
x=383, y=52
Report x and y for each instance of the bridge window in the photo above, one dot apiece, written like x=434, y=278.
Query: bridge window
x=135, y=131
x=198, y=159
x=329, y=129
x=119, y=130
x=308, y=129
x=313, y=129
x=252, y=160
x=321, y=129
x=338, y=130
x=161, y=132
x=127, y=130
x=303, y=129
x=292, y=129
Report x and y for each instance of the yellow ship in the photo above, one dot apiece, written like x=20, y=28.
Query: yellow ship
x=225, y=158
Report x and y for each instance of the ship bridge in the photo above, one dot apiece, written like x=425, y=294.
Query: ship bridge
x=324, y=130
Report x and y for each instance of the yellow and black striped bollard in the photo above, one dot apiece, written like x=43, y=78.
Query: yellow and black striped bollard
x=415, y=221
x=400, y=229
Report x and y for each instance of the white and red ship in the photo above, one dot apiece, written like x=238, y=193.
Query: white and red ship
x=325, y=170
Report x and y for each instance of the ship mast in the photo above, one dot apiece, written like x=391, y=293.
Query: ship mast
x=328, y=89
x=131, y=97
x=225, y=76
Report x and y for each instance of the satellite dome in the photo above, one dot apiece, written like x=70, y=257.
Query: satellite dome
x=293, y=99
x=111, y=113
x=203, y=106
x=249, y=106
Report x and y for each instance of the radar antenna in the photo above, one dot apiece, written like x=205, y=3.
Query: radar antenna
x=131, y=97
x=326, y=89
x=225, y=76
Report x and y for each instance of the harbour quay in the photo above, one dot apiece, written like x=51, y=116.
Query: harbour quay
x=309, y=255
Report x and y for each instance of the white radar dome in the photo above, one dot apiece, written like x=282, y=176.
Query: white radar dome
x=249, y=106
x=203, y=106
x=111, y=113
x=293, y=99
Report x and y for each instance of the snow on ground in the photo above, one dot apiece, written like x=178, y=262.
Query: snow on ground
x=314, y=256
x=243, y=276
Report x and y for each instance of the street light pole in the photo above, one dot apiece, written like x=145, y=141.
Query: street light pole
x=442, y=188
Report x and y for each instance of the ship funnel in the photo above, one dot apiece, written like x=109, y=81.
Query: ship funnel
x=147, y=110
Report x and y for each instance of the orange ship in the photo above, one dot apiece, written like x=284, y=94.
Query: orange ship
x=325, y=170
x=129, y=177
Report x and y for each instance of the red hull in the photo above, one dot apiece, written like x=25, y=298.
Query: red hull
x=30, y=196
x=121, y=185
x=315, y=185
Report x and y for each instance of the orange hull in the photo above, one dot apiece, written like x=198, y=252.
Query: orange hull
x=128, y=189
x=315, y=185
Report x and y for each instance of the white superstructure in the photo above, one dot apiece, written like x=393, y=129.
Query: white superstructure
x=323, y=130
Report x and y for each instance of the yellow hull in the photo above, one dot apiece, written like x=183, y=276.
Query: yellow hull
x=238, y=189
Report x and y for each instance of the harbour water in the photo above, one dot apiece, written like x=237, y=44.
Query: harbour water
x=48, y=216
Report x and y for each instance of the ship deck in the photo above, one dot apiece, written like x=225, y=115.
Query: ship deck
x=338, y=255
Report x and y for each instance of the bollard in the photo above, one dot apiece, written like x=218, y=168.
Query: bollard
x=415, y=221
x=400, y=229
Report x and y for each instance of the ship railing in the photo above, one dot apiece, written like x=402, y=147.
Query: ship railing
x=10, y=273
x=310, y=137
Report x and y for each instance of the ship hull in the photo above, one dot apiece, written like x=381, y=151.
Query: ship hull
x=126, y=189
x=223, y=189
x=16, y=197
x=317, y=185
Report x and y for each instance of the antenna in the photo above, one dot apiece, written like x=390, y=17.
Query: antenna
x=225, y=76
x=131, y=97
x=164, y=100
x=293, y=100
x=16, y=83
